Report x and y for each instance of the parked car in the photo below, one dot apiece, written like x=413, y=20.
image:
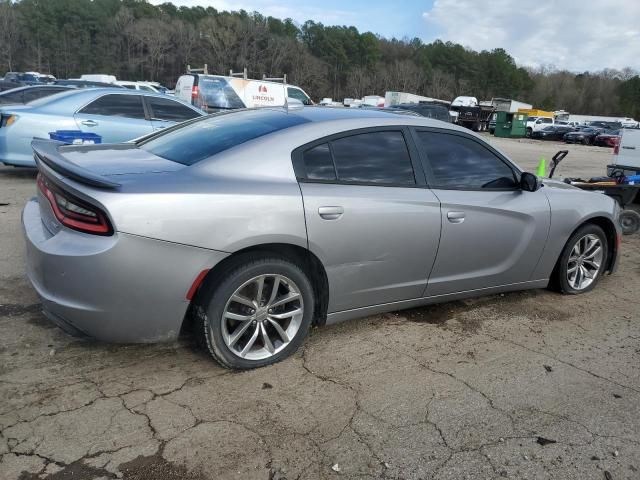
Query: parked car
x=437, y=111
x=608, y=138
x=23, y=95
x=117, y=115
x=137, y=86
x=535, y=124
x=85, y=84
x=606, y=125
x=8, y=85
x=584, y=135
x=552, y=132
x=213, y=93
x=22, y=78
x=256, y=224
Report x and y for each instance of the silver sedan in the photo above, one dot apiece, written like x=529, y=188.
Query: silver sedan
x=251, y=226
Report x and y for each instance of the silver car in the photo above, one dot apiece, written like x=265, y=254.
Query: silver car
x=253, y=225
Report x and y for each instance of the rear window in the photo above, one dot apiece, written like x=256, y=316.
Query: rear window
x=202, y=139
x=216, y=93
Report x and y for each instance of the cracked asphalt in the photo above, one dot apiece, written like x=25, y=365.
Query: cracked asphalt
x=530, y=385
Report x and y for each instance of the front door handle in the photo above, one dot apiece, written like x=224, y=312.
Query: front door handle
x=90, y=123
x=330, y=213
x=455, y=217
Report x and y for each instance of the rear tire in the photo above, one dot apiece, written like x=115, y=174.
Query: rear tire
x=528, y=132
x=244, y=323
x=583, y=261
x=629, y=222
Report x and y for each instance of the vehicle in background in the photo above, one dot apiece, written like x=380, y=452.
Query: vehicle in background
x=117, y=115
x=437, y=111
x=257, y=224
x=398, y=98
x=605, y=125
x=608, y=138
x=99, y=77
x=23, y=95
x=552, y=132
x=535, y=124
x=85, y=84
x=626, y=154
x=469, y=113
x=42, y=77
x=213, y=93
x=373, y=100
x=159, y=87
x=584, y=135
x=137, y=86
x=8, y=85
x=22, y=78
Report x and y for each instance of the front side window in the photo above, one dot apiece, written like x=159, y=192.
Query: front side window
x=462, y=163
x=116, y=105
x=170, y=110
x=298, y=95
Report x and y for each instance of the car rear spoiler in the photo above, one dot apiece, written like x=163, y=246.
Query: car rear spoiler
x=47, y=152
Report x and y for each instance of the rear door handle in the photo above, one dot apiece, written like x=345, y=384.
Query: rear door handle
x=455, y=217
x=89, y=123
x=629, y=148
x=330, y=213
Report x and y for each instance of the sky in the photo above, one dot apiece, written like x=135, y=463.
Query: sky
x=576, y=35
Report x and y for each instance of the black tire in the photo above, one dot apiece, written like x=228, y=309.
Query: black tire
x=211, y=303
x=629, y=222
x=560, y=280
x=528, y=132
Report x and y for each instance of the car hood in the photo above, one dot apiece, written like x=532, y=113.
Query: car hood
x=118, y=159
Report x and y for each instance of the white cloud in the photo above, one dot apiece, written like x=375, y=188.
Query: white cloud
x=576, y=35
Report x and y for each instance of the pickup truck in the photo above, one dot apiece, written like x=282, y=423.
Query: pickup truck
x=535, y=124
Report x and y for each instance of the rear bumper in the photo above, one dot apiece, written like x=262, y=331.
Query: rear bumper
x=123, y=288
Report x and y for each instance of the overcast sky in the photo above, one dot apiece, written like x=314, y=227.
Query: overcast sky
x=570, y=34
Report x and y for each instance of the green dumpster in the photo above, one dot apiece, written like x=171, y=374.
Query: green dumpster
x=510, y=125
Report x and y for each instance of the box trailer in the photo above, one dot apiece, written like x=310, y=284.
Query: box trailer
x=397, y=98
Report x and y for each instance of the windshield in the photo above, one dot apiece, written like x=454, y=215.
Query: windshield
x=204, y=138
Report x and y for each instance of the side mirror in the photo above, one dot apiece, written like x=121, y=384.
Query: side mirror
x=530, y=182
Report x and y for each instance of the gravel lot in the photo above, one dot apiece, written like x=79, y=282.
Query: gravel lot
x=527, y=386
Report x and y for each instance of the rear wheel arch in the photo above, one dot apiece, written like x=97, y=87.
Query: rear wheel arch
x=302, y=257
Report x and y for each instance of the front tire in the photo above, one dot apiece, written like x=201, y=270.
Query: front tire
x=583, y=260
x=258, y=314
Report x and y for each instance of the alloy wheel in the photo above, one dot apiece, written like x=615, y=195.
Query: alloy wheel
x=262, y=317
x=584, y=262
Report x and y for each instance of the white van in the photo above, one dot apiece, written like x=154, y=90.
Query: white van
x=137, y=86
x=99, y=77
x=212, y=93
x=626, y=155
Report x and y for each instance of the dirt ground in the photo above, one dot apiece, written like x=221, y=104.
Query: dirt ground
x=527, y=386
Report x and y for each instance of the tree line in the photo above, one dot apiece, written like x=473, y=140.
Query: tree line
x=136, y=40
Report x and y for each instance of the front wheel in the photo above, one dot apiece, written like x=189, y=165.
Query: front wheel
x=258, y=314
x=583, y=260
x=528, y=132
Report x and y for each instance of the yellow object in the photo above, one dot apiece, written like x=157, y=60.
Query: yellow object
x=542, y=168
x=534, y=112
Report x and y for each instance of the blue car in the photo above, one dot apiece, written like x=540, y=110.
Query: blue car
x=117, y=115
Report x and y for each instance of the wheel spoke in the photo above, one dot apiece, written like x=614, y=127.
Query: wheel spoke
x=281, y=332
x=282, y=316
x=572, y=269
x=595, y=265
x=238, y=332
x=236, y=316
x=274, y=291
x=250, y=343
x=577, y=279
x=593, y=253
x=286, y=299
x=260, y=282
x=243, y=300
x=266, y=340
x=585, y=272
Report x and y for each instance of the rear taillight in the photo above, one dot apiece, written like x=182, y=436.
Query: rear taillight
x=7, y=120
x=73, y=212
x=616, y=146
x=194, y=92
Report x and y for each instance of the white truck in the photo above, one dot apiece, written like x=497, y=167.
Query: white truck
x=535, y=124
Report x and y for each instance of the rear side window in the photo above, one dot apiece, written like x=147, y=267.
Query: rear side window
x=170, y=110
x=202, y=139
x=318, y=163
x=129, y=106
x=216, y=93
x=372, y=158
x=12, y=97
x=461, y=163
